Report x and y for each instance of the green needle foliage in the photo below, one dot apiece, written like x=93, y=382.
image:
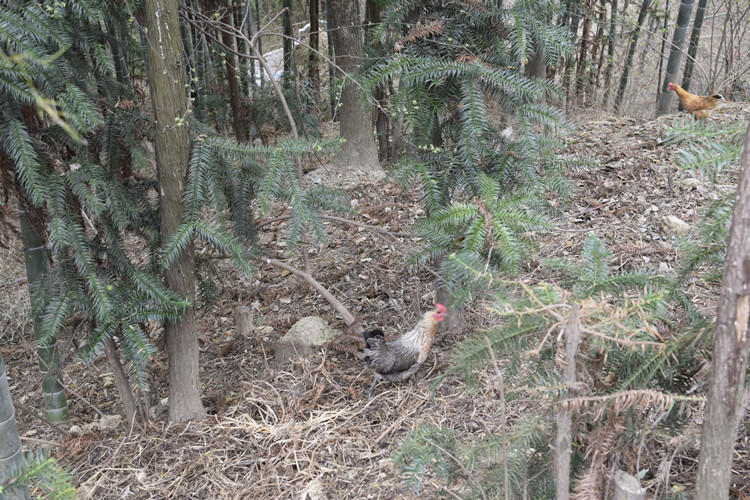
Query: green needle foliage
x=481, y=138
x=74, y=167
x=43, y=475
x=638, y=370
x=711, y=153
x=82, y=169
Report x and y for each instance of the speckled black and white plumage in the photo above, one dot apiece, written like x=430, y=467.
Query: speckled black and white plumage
x=399, y=359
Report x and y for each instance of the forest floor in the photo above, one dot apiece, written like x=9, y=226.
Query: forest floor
x=306, y=429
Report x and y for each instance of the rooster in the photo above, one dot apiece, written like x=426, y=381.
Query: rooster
x=698, y=106
x=397, y=360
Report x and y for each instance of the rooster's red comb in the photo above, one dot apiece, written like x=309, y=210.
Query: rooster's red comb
x=440, y=307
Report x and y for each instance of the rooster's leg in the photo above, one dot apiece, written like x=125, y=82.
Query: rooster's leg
x=374, y=381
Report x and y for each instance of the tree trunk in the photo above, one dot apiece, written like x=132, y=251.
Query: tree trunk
x=167, y=84
x=695, y=35
x=127, y=398
x=537, y=67
x=563, y=414
x=610, y=50
x=35, y=257
x=583, y=53
x=199, y=49
x=235, y=94
x=575, y=19
x=313, y=68
x=354, y=115
x=596, y=46
x=731, y=341
x=249, y=24
x=331, y=58
x=11, y=458
x=398, y=132
x=260, y=41
x=663, y=46
x=287, y=76
x=675, y=55
x=631, y=51
x=382, y=122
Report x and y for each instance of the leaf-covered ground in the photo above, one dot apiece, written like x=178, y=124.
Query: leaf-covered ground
x=306, y=429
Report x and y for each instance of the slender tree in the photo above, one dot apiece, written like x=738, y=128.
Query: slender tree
x=675, y=54
x=584, y=48
x=575, y=19
x=695, y=35
x=664, y=33
x=239, y=118
x=11, y=457
x=35, y=257
x=287, y=43
x=382, y=121
x=331, y=57
x=611, y=36
x=597, y=51
x=730, y=350
x=631, y=52
x=359, y=150
x=313, y=67
x=166, y=81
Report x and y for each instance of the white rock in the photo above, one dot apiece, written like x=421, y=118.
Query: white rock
x=303, y=337
x=110, y=422
x=675, y=224
x=689, y=183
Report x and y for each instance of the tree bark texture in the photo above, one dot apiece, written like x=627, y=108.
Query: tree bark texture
x=729, y=360
x=355, y=118
x=382, y=121
x=663, y=46
x=631, y=52
x=167, y=85
x=331, y=58
x=610, y=49
x=235, y=94
x=695, y=34
x=537, y=67
x=583, y=52
x=675, y=55
x=566, y=358
x=287, y=75
x=11, y=457
x=313, y=67
x=575, y=19
x=35, y=258
x=127, y=398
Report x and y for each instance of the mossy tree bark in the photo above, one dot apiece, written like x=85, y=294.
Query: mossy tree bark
x=169, y=102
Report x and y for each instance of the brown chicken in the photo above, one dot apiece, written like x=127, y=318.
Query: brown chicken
x=698, y=106
x=397, y=360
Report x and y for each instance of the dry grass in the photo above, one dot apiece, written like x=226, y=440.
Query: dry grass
x=308, y=429
x=15, y=306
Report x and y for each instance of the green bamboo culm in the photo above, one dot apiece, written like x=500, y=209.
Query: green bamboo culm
x=35, y=257
x=11, y=458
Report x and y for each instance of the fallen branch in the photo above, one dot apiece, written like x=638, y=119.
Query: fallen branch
x=349, y=318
